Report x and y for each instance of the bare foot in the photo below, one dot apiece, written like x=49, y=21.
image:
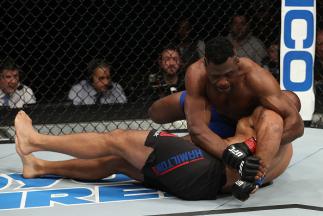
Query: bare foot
x=31, y=165
x=24, y=133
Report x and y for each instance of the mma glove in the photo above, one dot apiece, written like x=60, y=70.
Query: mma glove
x=239, y=156
x=249, y=168
x=242, y=189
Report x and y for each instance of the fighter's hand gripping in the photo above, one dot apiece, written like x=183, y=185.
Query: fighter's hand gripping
x=234, y=154
x=239, y=156
x=242, y=189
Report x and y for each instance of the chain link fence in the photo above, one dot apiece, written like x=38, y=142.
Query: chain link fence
x=53, y=43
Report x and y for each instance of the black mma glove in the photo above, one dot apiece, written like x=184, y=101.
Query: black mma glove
x=249, y=168
x=234, y=154
x=242, y=189
x=239, y=156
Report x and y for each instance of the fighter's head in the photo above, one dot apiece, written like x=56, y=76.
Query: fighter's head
x=221, y=63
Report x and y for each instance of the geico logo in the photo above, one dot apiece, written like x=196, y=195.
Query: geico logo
x=298, y=13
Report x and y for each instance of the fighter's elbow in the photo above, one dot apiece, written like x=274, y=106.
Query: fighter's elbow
x=294, y=131
x=297, y=126
x=194, y=131
x=299, y=129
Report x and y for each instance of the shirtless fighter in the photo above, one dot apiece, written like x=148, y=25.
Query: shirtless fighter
x=220, y=89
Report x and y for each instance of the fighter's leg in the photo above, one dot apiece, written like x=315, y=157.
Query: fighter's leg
x=280, y=162
x=269, y=129
x=128, y=145
x=85, y=169
x=167, y=109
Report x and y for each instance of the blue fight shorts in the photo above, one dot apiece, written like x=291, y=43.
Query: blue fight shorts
x=219, y=124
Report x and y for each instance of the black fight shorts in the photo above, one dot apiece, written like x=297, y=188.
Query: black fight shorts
x=180, y=168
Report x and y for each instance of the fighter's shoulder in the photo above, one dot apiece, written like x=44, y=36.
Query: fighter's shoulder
x=254, y=72
x=197, y=67
x=249, y=65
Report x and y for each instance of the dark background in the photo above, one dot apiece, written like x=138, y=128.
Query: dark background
x=53, y=41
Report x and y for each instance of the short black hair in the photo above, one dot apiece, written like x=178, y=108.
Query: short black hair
x=97, y=63
x=218, y=50
x=241, y=14
x=172, y=47
x=8, y=64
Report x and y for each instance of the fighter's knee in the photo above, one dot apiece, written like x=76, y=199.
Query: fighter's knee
x=115, y=140
x=153, y=113
x=118, y=133
x=115, y=137
x=299, y=129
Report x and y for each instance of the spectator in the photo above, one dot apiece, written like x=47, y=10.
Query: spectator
x=318, y=71
x=191, y=49
x=245, y=43
x=271, y=62
x=13, y=93
x=98, y=88
x=169, y=79
x=318, y=66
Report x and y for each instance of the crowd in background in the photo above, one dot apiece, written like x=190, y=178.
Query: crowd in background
x=173, y=60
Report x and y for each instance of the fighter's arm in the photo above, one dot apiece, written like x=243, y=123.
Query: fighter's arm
x=268, y=127
x=197, y=111
x=271, y=97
